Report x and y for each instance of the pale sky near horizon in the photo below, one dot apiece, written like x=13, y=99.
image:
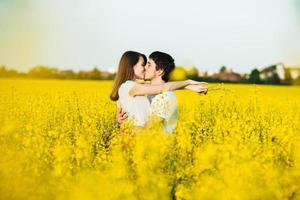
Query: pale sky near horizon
x=73, y=34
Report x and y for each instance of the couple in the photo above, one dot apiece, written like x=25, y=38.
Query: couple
x=142, y=101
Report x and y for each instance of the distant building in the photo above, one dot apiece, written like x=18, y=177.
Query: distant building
x=269, y=72
x=227, y=76
x=295, y=72
x=202, y=73
x=280, y=69
x=210, y=73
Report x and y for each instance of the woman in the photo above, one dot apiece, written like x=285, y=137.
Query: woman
x=131, y=95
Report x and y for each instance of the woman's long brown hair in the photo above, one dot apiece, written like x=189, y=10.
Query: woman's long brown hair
x=125, y=71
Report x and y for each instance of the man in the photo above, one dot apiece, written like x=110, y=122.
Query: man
x=163, y=105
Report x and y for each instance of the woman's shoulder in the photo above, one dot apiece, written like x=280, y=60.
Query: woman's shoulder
x=126, y=86
x=127, y=83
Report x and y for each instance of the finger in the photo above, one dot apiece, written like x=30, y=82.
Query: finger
x=199, y=83
x=123, y=113
x=119, y=110
x=203, y=90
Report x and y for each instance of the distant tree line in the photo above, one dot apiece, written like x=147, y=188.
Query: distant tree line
x=46, y=72
x=269, y=75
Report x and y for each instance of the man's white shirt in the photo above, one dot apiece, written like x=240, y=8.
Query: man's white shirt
x=164, y=105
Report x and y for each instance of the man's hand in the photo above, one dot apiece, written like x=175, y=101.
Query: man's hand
x=200, y=88
x=192, y=82
x=204, y=91
x=121, y=116
x=196, y=86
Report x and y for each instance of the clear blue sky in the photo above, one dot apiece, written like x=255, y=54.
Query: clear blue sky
x=241, y=34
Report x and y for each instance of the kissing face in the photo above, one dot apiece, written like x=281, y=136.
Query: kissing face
x=139, y=69
x=150, y=70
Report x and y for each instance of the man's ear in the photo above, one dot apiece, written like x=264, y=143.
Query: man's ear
x=160, y=72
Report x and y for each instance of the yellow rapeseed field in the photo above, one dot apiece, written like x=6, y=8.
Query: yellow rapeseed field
x=58, y=141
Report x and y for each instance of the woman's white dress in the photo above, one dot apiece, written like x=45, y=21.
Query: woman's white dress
x=137, y=107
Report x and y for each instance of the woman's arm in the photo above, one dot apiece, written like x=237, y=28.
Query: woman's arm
x=142, y=89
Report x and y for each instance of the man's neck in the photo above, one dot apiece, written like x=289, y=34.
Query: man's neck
x=157, y=81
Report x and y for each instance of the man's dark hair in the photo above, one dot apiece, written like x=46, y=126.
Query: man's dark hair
x=163, y=61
